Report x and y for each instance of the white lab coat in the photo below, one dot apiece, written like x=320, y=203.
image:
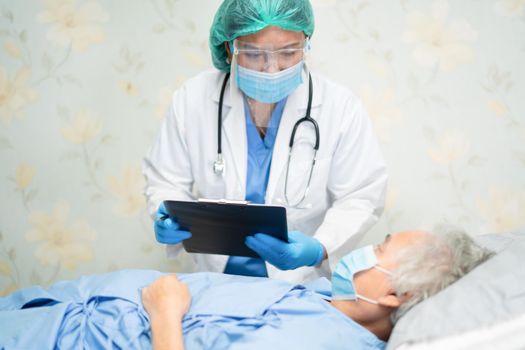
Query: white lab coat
x=347, y=189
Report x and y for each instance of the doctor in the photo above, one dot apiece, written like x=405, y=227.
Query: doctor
x=263, y=128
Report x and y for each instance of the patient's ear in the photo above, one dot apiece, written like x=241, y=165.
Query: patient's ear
x=392, y=300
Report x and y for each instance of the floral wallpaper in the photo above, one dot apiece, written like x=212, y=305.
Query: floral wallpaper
x=84, y=85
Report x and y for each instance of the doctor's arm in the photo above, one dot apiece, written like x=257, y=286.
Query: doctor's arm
x=166, y=301
x=168, y=174
x=357, y=185
x=167, y=167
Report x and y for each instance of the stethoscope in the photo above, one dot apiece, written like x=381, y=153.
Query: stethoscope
x=218, y=165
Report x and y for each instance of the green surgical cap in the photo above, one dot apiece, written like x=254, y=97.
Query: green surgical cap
x=237, y=18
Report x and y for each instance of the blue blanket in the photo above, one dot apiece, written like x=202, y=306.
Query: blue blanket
x=227, y=312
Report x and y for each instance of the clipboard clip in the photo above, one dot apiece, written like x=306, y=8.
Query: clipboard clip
x=223, y=201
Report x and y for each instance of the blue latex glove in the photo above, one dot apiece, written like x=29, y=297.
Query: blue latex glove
x=167, y=230
x=302, y=250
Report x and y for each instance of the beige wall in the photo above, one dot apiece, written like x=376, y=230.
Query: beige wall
x=443, y=83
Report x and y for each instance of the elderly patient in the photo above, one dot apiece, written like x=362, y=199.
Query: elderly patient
x=371, y=288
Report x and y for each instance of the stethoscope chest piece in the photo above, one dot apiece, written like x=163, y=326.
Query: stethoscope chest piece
x=218, y=165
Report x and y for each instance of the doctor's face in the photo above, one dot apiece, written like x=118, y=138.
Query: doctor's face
x=271, y=50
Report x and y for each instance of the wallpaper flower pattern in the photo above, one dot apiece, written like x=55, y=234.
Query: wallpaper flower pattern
x=84, y=86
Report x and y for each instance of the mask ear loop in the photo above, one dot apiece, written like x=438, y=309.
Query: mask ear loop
x=368, y=300
x=306, y=50
x=307, y=45
x=383, y=270
x=232, y=52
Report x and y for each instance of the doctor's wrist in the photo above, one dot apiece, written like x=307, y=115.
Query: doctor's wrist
x=321, y=254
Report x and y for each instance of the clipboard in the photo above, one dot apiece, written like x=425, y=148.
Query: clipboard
x=221, y=226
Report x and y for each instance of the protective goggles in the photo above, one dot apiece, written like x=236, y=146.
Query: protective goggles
x=251, y=56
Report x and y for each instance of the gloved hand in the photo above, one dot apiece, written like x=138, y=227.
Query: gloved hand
x=167, y=230
x=302, y=250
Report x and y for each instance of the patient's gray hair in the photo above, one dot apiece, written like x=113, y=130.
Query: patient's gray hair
x=433, y=264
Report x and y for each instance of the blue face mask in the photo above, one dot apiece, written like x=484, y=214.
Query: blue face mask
x=343, y=287
x=269, y=87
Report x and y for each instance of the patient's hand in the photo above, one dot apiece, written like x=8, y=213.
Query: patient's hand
x=166, y=297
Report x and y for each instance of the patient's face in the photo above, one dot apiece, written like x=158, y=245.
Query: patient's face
x=387, y=252
x=375, y=284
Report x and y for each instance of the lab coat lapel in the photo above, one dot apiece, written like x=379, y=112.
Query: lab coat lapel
x=295, y=109
x=234, y=130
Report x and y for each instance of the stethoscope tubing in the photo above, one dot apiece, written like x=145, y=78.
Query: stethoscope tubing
x=219, y=114
x=218, y=165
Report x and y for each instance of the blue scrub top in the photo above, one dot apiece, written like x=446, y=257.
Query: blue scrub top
x=260, y=151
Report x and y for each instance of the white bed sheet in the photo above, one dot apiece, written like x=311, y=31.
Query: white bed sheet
x=509, y=335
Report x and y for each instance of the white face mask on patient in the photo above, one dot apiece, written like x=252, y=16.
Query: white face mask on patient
x=361, y=259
